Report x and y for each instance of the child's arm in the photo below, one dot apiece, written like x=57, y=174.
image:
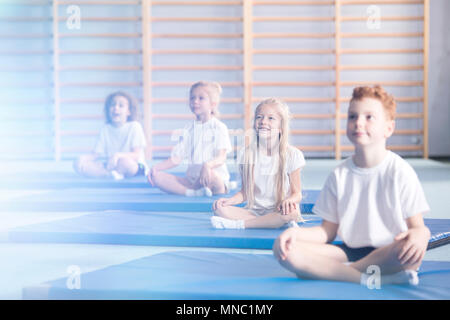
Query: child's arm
x=169, y=163
x=223, y=202
x=321, y=234
x=220, y=159
x=416, y=240
x=295, y=195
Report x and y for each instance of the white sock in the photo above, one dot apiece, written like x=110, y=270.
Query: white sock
x=116, y=175
x=231, y=185
x=192, y=193
x=403, y=277
x=207, y=191
x=223, y=223
x=199, y=192
x=292, y=224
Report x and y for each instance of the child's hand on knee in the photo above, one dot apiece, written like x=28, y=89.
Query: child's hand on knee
x=415, y=245
x=112, y=162
x=151, y=172
x=287, y=207
x=222, y=202
x=284, y=243
x=205, y=175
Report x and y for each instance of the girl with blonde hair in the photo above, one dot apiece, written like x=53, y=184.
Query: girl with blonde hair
x=203, y=147
x=270, y=171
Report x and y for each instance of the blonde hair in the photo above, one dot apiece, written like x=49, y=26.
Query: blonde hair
x=247, y=167
x=214, y=90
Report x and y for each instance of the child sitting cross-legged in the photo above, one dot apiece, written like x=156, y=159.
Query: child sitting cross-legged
x=373, y=201
x=270, y=171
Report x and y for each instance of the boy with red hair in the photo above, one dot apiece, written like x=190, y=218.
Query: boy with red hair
x=373, y=201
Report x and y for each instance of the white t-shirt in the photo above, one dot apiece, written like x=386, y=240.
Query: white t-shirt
x=371, y=204
x=265, y=170
x=121, y=139
x=199, y=142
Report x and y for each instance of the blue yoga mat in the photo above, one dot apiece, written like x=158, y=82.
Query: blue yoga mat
x=66, y=180
x=190, y=229
x=142, y=199
x=190, y=275
x=69, y=180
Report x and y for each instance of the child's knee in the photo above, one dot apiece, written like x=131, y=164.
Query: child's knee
x=123, y=162
x=394, y=255
x=295, y=259
x=157, y=178
x=127, y=166
x=292, y=216
x=217, y=186
x=220, y=211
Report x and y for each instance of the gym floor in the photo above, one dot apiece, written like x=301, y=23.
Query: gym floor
x=27, y=264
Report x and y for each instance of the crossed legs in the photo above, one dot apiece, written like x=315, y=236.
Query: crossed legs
x=250, y=220
x=179, y=185
x=89, y=166
x=324, y=261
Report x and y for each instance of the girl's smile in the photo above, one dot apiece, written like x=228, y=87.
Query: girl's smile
x=267, y=122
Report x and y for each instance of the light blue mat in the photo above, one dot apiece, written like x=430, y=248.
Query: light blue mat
x=188, y=229
x=69, y=180
x=142, y=199
x=211, y=275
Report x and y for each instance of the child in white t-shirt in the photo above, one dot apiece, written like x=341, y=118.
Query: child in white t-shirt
x=204, y=145
x=270, y=172
x=119, y=151
x=373, y=201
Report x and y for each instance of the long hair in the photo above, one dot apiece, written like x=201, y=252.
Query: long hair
x=252, y=148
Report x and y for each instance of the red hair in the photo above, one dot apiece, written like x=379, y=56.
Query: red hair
x=378, y=93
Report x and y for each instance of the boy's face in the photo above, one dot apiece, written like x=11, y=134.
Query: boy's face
x=119, y=111
x=200, y=103
x=367, y=123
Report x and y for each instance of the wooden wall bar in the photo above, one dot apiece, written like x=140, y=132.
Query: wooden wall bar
x=148, y=79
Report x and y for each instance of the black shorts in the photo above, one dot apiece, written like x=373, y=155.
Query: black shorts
x=355, y=254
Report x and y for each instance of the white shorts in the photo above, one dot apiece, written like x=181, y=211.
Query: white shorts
x=193, y=174
x=264, y=211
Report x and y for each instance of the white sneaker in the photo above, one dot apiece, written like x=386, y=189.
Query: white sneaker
x=222, y=223
x=117, y=176
x=292, y=224
x=146, y=169
x=231, y=185
x=207, y=192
